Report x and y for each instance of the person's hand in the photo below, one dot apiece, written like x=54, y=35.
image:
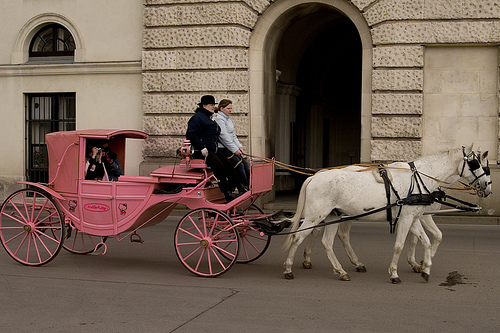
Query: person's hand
x=238, y=152
x=99, y=156
x=204, y=152
x=242, y=152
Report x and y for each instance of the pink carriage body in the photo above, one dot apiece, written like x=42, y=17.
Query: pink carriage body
x=78, y=215
x=106, y=208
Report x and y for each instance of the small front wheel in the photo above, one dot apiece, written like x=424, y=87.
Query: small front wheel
x=253, y=242
x=31, y=227
x=201, y=237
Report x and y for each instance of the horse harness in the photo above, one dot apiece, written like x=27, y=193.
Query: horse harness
x=423, y=197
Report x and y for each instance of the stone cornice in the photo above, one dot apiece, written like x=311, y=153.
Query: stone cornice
x=126, y=67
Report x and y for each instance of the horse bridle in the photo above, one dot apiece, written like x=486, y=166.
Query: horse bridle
x=474, y=163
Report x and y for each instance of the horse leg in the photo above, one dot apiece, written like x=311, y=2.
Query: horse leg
x=297, y=239
x=418, y=230
x=327, y=241
x=344, y=234
x=309, y=246
x=402, y=229
x=412, y=245
x=437, y=236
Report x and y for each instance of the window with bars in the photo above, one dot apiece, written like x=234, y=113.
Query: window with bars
x=45, y=113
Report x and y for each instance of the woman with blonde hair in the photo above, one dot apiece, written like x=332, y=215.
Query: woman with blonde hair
x=229, y=147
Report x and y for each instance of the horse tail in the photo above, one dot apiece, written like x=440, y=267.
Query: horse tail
x=298, y=214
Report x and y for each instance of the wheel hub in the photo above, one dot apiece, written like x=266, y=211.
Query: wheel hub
x=204, y=243
x=27, y=228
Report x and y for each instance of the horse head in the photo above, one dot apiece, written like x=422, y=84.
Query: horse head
x=474, y=168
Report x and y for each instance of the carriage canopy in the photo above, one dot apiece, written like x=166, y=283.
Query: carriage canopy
x=67, y=150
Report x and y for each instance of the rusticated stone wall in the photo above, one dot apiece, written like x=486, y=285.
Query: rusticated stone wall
x=195, y=47
x=401, y=29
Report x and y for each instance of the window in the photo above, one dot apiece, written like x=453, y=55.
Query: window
x=52, y=42
x=45, y=113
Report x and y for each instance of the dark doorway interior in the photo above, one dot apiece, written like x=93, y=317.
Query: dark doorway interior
x=320, y=56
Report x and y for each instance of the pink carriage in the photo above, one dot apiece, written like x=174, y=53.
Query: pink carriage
x=79, y=215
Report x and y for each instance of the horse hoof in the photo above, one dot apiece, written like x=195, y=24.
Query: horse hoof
x=288, y=276
x=395, y=280
x=425, y=276
x=361, y=269
x=307, y=264
x=345, y=277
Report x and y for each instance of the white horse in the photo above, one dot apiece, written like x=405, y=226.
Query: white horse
x=349, y=192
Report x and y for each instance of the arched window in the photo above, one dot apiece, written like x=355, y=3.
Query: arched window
x=52, y=42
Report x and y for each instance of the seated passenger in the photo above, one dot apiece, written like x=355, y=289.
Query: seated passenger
x=94, y=166
x=229, y=147
x=113, y=168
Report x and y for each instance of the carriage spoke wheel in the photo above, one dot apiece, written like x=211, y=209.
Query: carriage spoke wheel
x=201, y=237
x=31, y=227
x=252, y=243
x=80, y=242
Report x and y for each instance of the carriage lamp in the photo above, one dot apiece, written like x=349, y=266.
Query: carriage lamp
x=186, y=151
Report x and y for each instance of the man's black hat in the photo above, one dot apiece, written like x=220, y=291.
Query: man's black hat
x=207, y=99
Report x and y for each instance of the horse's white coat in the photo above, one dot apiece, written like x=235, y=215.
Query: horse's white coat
x=353, y=193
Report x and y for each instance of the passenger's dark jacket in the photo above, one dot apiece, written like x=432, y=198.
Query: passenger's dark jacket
x=202, y=131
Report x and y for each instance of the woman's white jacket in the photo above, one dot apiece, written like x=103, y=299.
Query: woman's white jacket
x=227, y=137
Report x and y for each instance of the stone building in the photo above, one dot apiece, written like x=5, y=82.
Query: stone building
x=314, y=83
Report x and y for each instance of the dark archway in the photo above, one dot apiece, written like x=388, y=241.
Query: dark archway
x=318, y=93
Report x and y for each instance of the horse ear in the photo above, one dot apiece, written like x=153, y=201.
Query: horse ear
x=468, y=149
x=484, y=156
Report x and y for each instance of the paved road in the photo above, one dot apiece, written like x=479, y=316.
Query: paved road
x=144, y=288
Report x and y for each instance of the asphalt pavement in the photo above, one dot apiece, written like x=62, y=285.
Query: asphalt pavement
x=144, y=288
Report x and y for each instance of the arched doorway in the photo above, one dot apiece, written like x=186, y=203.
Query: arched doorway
x=312, y=60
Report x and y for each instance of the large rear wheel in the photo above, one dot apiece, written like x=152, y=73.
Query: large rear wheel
x=31, y=227
x=206, y=242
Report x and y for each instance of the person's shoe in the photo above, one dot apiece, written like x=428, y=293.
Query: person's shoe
x=229, y=197
x=242, y=189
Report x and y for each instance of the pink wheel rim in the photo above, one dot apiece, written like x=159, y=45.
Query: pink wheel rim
x=206, y=242
x=31, y=227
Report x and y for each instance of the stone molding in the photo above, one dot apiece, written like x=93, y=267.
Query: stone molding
x=398, y=56
x=195, y=59
x=187, y=103
x=398, y=10
x=438, y=32
x=397, y=79
x=384, y=104
x=182, y=37
x=200, y=14
x=195, y=81
x=395, y=150
x=397, y=127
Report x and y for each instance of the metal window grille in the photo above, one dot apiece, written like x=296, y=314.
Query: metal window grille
x=45, y=113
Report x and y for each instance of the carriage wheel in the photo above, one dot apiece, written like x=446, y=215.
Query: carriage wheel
x=200, y=238
x=31, y=227
x=80, y=242
x=253, y=244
